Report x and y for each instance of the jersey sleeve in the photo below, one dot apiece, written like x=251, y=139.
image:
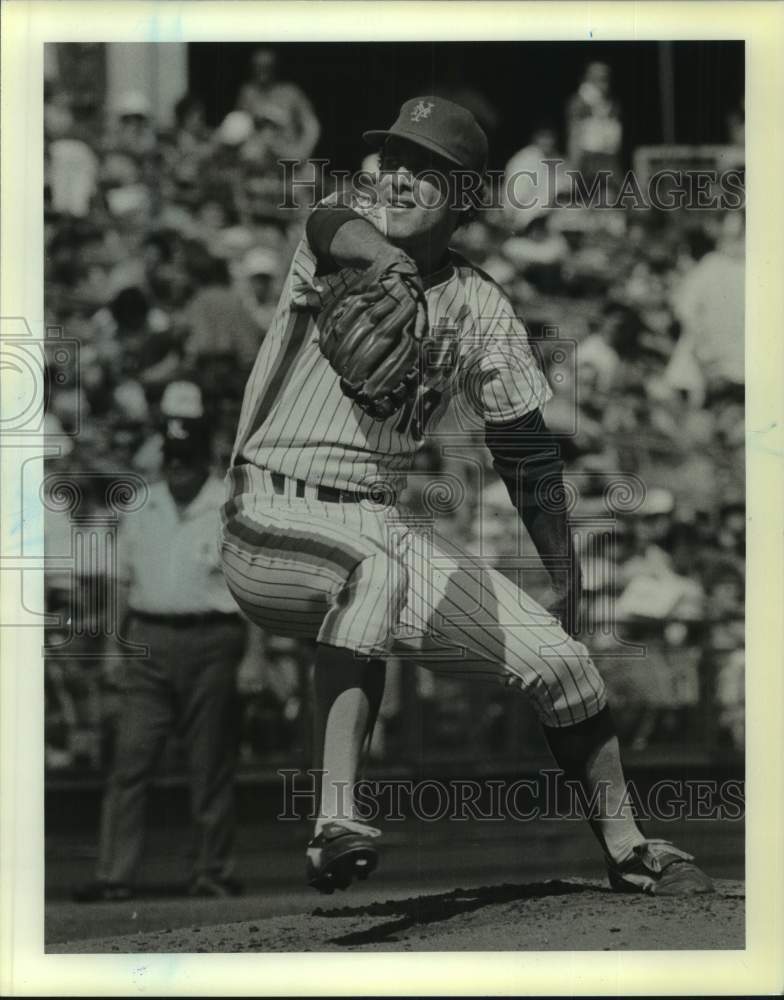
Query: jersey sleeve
x=307, y=289
x=501, y=372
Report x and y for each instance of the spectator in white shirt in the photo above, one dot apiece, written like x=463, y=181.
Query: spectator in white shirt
x=709, y=357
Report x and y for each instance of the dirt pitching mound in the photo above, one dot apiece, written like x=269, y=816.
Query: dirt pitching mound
x=573, y=915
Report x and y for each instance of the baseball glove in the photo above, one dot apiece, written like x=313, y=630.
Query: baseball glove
x=372, y=336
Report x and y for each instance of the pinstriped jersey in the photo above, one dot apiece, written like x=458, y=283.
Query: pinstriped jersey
x=295, y=419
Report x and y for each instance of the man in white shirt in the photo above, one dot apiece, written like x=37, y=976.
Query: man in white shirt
x=709, y=357
x=177, y=604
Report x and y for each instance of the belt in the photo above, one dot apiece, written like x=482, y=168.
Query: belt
x=187, y=620
x=326, y=494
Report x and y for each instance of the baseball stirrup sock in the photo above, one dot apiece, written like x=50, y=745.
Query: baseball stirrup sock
x=588, y=753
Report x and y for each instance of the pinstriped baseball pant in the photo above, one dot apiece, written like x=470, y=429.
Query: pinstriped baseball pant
x=357, y=576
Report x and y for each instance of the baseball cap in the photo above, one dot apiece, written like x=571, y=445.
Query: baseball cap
x=443, y=127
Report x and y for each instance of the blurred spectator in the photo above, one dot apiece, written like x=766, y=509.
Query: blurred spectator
x=190, y=137
x=58, y=118
x=134, y=130
x=731, y=535
x=163, y=270
x=219, y=330
x=179, y=608
x=710, y=304
x=538, y=252
x=594, y=130
x=283, y=115
x=139, y=349
x=533, y=178
x=126, y=193
x=73, y=176
x=653, y=587
x=259, y=201
x=273, y=676
x=260, y=270
x=598, y=355
x=223, y=168
x=731, y=697
x=726, y=645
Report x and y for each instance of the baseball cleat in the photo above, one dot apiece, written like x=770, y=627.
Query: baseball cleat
x=342, y=851
x=658, y=868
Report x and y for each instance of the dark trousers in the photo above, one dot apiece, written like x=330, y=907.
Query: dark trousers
x=187, y=684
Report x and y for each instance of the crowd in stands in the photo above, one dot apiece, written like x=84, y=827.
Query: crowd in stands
x=165, y=254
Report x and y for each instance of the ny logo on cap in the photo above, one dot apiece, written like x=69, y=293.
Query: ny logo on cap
x=421, y=111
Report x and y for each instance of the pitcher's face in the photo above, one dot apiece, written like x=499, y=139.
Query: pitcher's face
x=414, y=186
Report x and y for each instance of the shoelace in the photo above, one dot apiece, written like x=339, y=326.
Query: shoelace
x=650, y=850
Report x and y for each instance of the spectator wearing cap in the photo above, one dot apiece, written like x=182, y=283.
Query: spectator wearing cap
x=135, y=133
x=180, y=610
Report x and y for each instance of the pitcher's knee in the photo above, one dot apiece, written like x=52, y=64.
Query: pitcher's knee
x=566, y=687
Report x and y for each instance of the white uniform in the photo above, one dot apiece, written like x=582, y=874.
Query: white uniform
x=355, y=574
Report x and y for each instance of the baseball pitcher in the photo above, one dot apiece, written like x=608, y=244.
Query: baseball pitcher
x=379, y=326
